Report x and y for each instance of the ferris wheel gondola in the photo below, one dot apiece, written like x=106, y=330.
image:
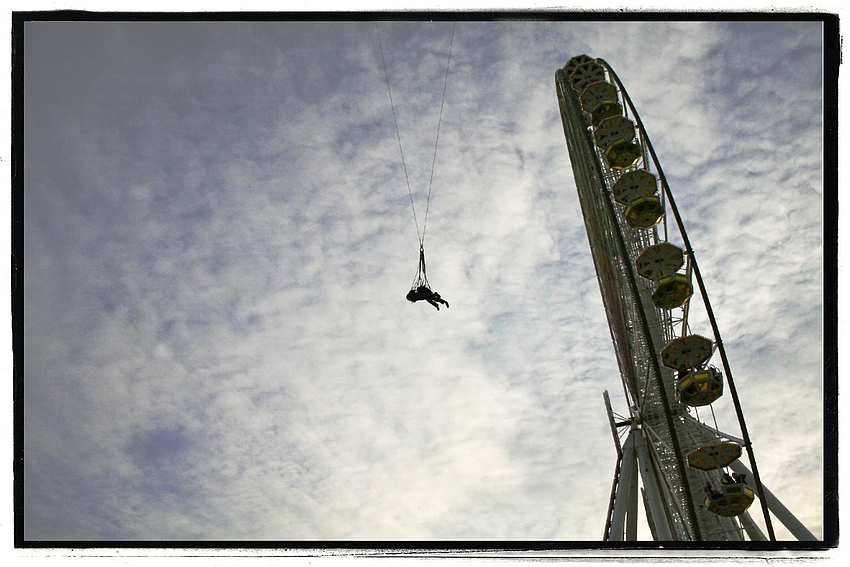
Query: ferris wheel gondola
x=660, y=260
x=698, y=388
x=634, y=184
x=733, y=500
x=691, y=351
x=600, y=100
x=586, y=74
x=714, y=456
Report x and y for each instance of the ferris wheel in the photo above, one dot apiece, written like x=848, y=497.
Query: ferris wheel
x=692, y=478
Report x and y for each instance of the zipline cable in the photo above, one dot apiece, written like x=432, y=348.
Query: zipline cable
x=421, y=234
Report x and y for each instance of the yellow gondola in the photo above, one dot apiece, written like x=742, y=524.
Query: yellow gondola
x=574, y=63
x=672, y=292
x=714, y=456
x=634, y=184
x=623, y=155
x=614, y=131
x=735, y=500
x=659, y=260
x=600, y=101
x=644, y=212
x=586, y=74
x=698, y=388
x=691, y=351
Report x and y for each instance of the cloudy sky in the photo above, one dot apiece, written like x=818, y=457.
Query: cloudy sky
x=219, y=239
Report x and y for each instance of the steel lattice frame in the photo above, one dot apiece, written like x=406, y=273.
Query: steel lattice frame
x=661, y=429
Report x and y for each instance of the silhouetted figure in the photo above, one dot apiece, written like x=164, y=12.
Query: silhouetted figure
x=423, y=293
x=728, y=479
x=739, y=478
x=713, y=494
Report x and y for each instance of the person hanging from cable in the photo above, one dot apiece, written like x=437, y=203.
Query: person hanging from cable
x=421, y=290
x=431, y=297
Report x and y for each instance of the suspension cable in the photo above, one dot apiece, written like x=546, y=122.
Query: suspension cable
x=714, y=416
x=439, y=122
x=398, y=136
x=420, y=234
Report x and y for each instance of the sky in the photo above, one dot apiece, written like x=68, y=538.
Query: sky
x=219, y=238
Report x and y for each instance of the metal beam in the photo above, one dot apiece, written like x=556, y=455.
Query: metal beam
x=653, y=497
x=753, y=531
x=626, y=491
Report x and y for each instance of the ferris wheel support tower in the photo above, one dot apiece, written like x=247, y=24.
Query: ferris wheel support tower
x=646, y=276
